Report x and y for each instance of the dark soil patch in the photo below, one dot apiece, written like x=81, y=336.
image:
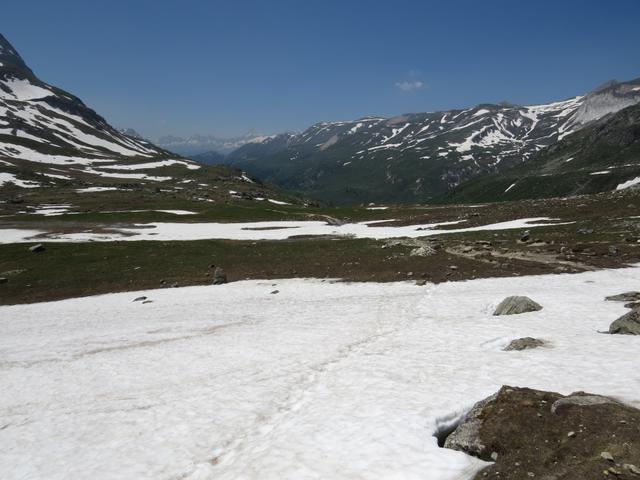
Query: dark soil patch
x=530, y=437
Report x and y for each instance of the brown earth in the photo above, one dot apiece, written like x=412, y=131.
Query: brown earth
x=544, y=435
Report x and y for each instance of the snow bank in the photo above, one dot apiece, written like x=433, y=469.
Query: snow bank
x=323, y=380
x=276, y=231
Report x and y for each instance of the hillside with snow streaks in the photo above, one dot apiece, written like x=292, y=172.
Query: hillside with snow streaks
x=44, y=129
x=421, y=156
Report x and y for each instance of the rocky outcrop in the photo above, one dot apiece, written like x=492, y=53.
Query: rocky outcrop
x=537, y=434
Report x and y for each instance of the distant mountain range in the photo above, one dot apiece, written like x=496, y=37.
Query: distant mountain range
x=424, y=156
x=207, y=144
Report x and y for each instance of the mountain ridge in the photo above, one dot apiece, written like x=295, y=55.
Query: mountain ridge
x=418, y=157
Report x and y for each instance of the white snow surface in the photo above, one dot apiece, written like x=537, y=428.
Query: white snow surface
x=323, y=380
x=6, y=177
x=628, y=183
x=277, y=230
x=151, y=165
x=96, y=189
x=23, y=89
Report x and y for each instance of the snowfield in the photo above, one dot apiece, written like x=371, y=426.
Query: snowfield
x=279, y=230
x=321, y=380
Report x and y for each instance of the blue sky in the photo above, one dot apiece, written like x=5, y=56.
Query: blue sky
x=225, y=67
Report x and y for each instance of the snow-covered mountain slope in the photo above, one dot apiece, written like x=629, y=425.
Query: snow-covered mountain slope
x=421, y=156
x=48, y=135
x=602, y=156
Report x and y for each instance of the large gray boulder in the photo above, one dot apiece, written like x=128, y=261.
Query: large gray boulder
x=515, y=305
x=628, y=324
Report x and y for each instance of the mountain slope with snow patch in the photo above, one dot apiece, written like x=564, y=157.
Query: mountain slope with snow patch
x=422, y=156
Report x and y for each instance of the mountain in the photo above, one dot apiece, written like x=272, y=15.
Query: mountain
x=209, y=158
x=50, y=138
x=199, y=144
x=602, y=156
x=422, y=156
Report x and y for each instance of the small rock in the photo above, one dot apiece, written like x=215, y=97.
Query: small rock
x=613, y=250
x=3, y=280
x=275, y=291
x=175, y=285
x=37, y=248
x=632, y=468
x=525, y=237
x=494, y=456
x=140, y=299
x=515, y=305
x=424, y=251
x=453, y=267
x=581, y=400
x=524, y=343
x=219, y=276
x=421, y=282
x=607, y=456
x=571, y=434
x=147, y=301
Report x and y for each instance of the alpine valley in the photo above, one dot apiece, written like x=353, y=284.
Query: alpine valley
x=413, y=297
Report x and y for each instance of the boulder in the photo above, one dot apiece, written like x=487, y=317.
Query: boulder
x=628, y=324
x=624, y=297
x=37, y=248
x=516, y=305
x=524, y=343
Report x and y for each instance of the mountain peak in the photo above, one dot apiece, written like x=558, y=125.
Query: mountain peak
x=9, y=57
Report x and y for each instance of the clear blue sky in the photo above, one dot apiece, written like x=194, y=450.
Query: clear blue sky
x=224, y=67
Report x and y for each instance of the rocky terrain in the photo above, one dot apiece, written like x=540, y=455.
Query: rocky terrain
x=529, y=433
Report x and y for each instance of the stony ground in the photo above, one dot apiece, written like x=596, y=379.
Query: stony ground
x=602, y=232
x=537, y=434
